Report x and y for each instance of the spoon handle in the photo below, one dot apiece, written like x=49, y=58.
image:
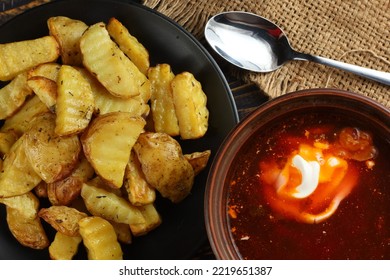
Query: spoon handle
x=379, y=76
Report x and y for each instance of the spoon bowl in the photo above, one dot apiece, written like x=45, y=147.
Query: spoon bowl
x=254, y=43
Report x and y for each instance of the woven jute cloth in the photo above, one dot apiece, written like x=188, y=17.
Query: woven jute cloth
x=352, y=31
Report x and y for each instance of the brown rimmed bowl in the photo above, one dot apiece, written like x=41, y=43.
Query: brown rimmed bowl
x=355, y=106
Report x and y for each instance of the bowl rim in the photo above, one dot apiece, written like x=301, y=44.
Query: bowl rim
x=218, y=232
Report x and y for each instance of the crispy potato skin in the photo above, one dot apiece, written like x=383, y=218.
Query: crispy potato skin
x=164, y=165
x=29, y=232
x=198, y=160
x=51, y=156
x=23, y=220
x=13, y=95
x=63, y=219
x=67, y=32
x=138, y=189
x=18, y=176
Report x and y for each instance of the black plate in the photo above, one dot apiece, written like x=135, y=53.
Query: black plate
x=182, y=231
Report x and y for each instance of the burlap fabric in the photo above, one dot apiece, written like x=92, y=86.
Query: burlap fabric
x=356, y=32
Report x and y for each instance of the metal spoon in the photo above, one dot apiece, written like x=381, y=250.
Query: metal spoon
x=256, y=44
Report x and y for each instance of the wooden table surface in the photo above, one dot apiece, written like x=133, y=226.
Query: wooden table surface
x=247, y=96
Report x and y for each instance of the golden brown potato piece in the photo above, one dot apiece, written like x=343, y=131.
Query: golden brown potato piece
x=190, y=106
x=40, y=190
x=75, y=102
x=164, y=165
x=46, y=70
x=67, y=32
x=123, y=232
x=107, y=144
x=27, y=204
x=13, y=95
x=198, y=160
x=51, y=156
x=100, y=239
x=21, y=120
x=152, y=220
x=129, y=44
x=105, y=102
x=45, y=89
x=64, y=247
x=29, y=232
x=24, y=222
x=162, y=106
x=103, y=58
x=18, y=176
x=17, y=57
x=63, y=219
x=100, y=183
x=7, y=139
x=138, y=189
x=105, y=204
x=64, y=191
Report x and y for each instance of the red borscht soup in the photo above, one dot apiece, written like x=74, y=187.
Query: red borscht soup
x=314, y=185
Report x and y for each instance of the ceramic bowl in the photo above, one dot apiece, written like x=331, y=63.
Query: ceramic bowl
x=244, y=220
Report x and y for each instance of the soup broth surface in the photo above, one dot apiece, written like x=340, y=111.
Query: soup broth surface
x=272, y=219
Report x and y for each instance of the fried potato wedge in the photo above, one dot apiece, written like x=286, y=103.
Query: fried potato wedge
x=29, y=232
x=17, y=57
x=67, y=32
x=24, y=222
x=18, y=176
x=13, y=95
x=123, y=232
x=51, y=156
x=107, y=144
x=190, y=106
x=63, y=192
x=103, y=58
x=45, y=89
x=162, y=106
x=152, y=220
x=62, y=218
x=64, y=247
x=129, y=44
x=164, y=165
x=105, y=102
x=27, y=204
x=138, y=189
x=21, y=120
x=75, y=102
x=100, y=239
x=47, y=70
x=198, y=160
x=110, y=206
x=7, y=139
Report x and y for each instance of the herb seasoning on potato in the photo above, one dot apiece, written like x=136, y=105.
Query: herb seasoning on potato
x=87, y=132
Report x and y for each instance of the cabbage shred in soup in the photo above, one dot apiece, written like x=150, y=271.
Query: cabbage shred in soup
x=313, y=186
